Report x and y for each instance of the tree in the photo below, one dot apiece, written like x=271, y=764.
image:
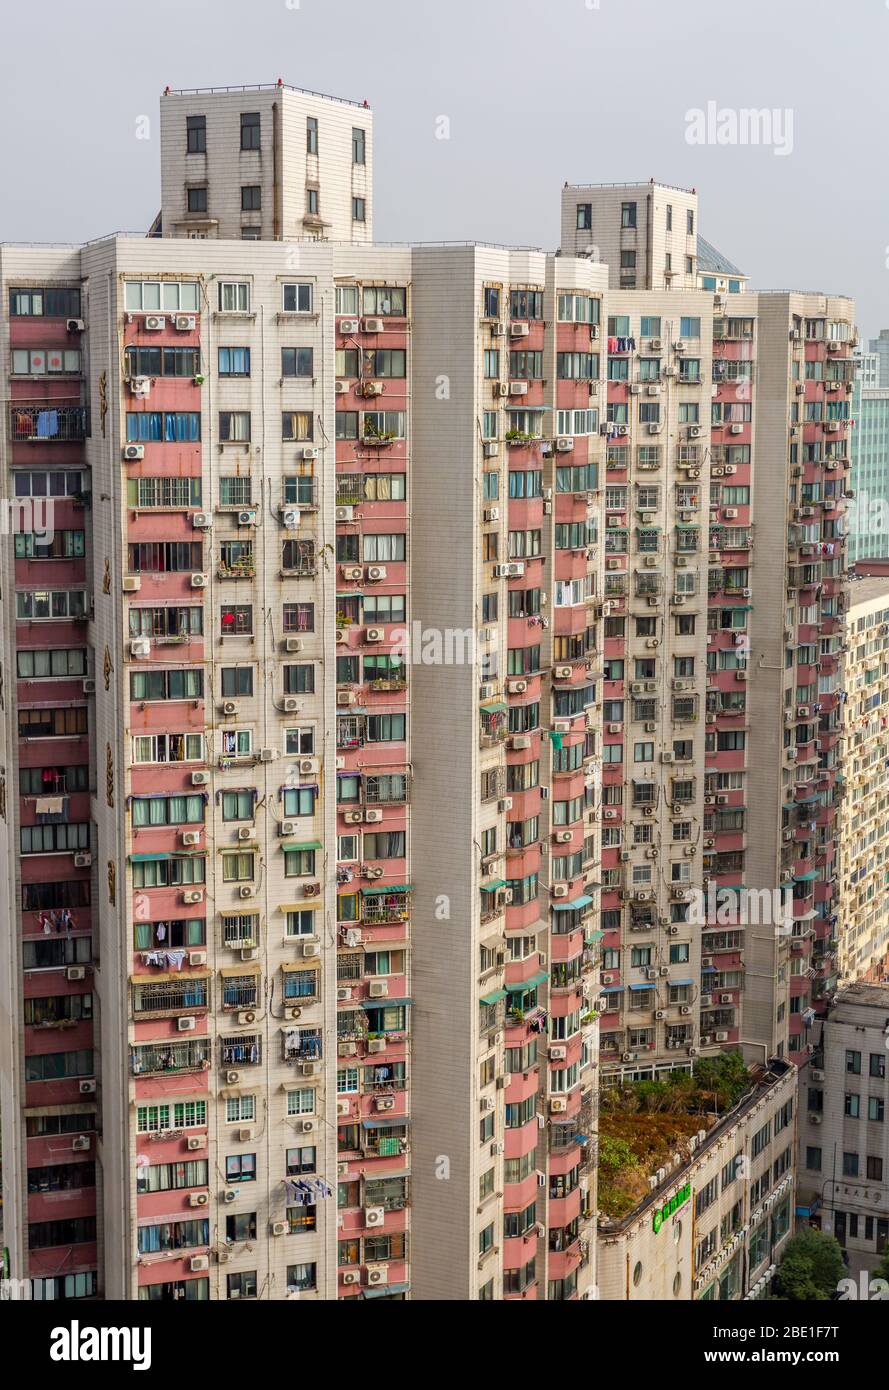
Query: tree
x=811, y=1269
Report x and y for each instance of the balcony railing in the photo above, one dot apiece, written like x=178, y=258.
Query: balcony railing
x=45, y=423
x=165, y=1058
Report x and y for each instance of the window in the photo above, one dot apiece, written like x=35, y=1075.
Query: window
x=43, y=361
x=358, y=145
x=234, y=426
x=196, y=134
x=49, y=303
x=234, y=296
x=197, y=199
x=384, y=301
x=251, y=197
x=298, y=298
x=358, y=210
x=297, y=361
x=250, y=130
x=234, y=361
x=584, y=221
x=311, y=135
x=298, y=426
x=628, y=214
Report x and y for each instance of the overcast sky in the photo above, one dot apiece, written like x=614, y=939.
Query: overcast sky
x=536, y=92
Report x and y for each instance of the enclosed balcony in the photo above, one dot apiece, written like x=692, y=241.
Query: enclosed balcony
x=45, y=422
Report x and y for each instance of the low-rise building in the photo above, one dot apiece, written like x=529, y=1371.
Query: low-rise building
x=720, y=1199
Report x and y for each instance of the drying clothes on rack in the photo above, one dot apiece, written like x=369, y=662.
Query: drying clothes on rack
x=304, y=1192
x=59, y=921
x=173, y=959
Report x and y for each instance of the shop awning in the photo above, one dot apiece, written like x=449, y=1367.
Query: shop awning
x=531, y=983
x=494, y=997
x=583, y=901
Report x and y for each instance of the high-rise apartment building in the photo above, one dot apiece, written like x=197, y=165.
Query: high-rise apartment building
x=862, y=929
x=868, y=530
x=398, y=666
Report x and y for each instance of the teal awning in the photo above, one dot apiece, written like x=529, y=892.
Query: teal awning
x=530, y=983
x=385, y=1288
x=593, y=936
x=492, y=885
x=494, y=997
x=165, y=854
x=379, y=1004
x=583, y=901
x=805, y=878
x=389, y=888
x=303, y=844
x=493, y=706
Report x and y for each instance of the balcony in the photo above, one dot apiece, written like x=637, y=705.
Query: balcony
x=166, y=1059
x=46, y=423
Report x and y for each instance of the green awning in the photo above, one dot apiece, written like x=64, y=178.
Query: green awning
x=593, y=935
x=530, y=983
x=302, y=844
x=165, y=854
x=493, y=706
x=494, y=997
x=583, y=901
x=389, y=888
x=805, y=878
x=491, y=886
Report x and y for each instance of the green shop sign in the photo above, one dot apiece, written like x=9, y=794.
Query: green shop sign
x=676, y=1201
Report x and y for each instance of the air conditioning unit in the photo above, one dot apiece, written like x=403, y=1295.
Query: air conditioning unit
x=560, y=890
x=191, y=837
x=721, y=1037
x=246, y=518
x=519, y=330
x=351, y=1276
x=153, y=323
x=287, y=827
x=199, y=581
x=373, y=817
x=373, y=325
x=345, y=513
x=289, y=518
x=245, y=891
x=201, y=521
x=186, y=1024
x=562, y=837
x=200, y=779
x=75, y=326
x=311, y=890
x=83, y=861
x=193, y=895
x=185, y=323
x=278, y=1228
x=290, y=705
x=87, y=1088
x=490, y=448
x=199, y=1263
x=564, y=446
x=133, y=452
x=309, y=451
x=375, y=634
x=557, y=1105
x=198, y=1199
x=349, y=326
x=378, y=989
x=558, y=1054
x=195, y=1142
x=376, y=572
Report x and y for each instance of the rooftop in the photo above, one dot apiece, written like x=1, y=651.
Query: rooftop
x=861, y=993
x=642, y=183
x=647, y=1127
x=868, y=590
x=280, y=85
x=713, y=261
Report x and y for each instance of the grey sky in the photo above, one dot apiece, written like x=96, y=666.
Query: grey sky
x=536, y=91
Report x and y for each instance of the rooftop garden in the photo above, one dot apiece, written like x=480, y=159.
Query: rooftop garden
x=643, y=1123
